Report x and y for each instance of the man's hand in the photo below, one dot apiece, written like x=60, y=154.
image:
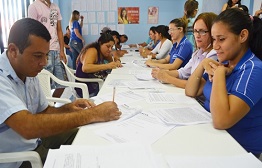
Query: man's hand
x=106, y=111
x=63, y=57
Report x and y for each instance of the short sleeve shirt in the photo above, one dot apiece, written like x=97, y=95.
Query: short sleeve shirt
x=186, y=71
x=75, y=25
x=183, y=51
x=48, y=17
x=245, y=82
x=17, y=96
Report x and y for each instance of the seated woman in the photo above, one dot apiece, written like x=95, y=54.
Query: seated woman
x=150, y=42
x=231, y=4
x=163, y=47
x=202, y=34
x=233, y=89
x=92, y=64
x=182, y=48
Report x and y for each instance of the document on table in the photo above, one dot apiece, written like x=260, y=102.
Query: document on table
x=143, y=84
x=117, y=83
x=140, y=63
x=120, y=97
x=136, y=72
x=183, y=115
x=128, y=111
x=237, y=161
x=112, y=156
x=125, y=46
x=169, y=98
x=143, y=128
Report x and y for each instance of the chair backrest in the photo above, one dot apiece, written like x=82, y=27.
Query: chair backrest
x=69, y=72
x=72, y=78
x=31, y=156
x=45, y=83
x=44, y=79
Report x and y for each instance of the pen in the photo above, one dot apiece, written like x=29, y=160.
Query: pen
x=114, y=92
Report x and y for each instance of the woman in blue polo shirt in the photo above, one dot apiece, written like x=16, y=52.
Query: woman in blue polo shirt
x=232, y=86
x=181, y=51
x=76, y=38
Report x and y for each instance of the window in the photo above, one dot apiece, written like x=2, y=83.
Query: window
x=12, y=10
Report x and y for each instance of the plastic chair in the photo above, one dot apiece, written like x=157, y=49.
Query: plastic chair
x=45, y=77
x=31, y=156
x=72, y=78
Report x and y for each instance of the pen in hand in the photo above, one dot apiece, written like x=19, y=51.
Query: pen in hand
x=114, y=92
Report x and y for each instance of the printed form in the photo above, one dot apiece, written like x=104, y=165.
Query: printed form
x=143, y=128
x=112, y=156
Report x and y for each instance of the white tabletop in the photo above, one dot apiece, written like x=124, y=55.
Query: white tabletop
x=194, y=140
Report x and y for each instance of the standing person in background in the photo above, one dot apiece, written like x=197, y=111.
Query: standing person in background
x=190, y=11
x=76, y=39
x=49, y=15
x=232, y=84
x=67, y=47
x=231, y=4
x=122, y=18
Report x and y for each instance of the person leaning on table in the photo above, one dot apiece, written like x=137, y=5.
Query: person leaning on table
x=27, y=122
x=232, y=85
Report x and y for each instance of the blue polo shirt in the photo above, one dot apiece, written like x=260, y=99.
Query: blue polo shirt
x=73, y=36
x=183, y=51
x=245, y=82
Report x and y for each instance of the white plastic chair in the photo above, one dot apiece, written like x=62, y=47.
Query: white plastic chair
x=45, y=77
x=31, y=156
x=72, y=78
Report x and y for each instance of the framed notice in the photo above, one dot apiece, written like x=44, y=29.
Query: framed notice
x=152, y=15
x=128, y=15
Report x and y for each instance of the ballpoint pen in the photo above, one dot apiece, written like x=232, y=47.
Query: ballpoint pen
x=114, y=92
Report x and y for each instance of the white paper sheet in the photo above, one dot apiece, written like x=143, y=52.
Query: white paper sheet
x=170, y=98
x=143, y=128
x=120, y=97
x=183, y=115
x=112, y=156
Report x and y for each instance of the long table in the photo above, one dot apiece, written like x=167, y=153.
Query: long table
x=194, y=140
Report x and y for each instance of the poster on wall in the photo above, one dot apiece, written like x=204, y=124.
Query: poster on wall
x=152, y=15
x=128, y=15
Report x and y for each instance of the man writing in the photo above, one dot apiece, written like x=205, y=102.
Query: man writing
x=25, y=116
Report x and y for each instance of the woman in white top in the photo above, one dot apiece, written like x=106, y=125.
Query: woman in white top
x=164, y=46
x=202, y=33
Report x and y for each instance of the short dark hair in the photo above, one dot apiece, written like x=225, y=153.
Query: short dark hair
x=125, y=36
x=23, y=28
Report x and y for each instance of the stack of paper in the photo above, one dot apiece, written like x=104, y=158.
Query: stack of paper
x=113, y=156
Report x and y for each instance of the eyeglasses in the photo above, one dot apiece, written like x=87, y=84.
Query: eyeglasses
x=172, y=30
x=200, y=32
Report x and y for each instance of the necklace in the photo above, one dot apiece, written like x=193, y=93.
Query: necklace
x=46, y=3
